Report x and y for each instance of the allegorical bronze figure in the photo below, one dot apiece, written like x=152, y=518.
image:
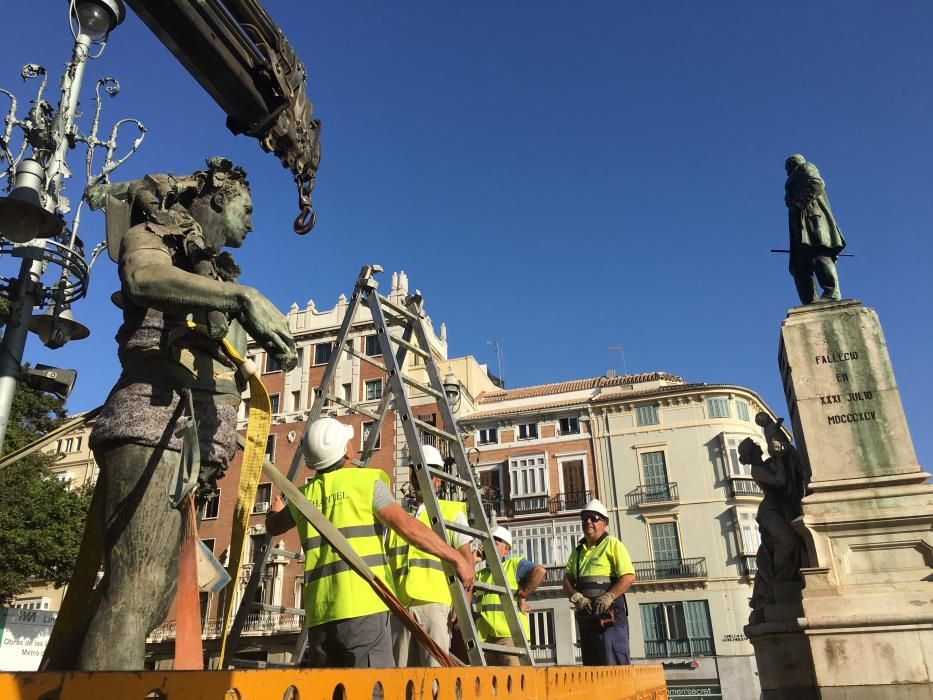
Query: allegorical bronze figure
x=173, y=379
x=815, y=238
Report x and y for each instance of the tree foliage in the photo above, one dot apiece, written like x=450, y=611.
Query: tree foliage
x=41, y=519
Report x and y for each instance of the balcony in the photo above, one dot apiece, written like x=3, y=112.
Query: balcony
x=669, y=569
x=739, y=487
x=674, y=648
x=544, y=655
x=563, y=502
x=258, y=623
x=553, y=577
x=748, y=564
x=653, y=495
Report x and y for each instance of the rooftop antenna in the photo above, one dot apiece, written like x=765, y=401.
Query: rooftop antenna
x=495, y=343
x=619, y=349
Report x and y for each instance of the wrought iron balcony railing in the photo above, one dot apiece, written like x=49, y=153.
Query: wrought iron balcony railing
x=546, y=655
x=748, y=564
x=667, y=569
x=526, y=505
x=739, y=486
x=562, y=502
x=653, y=493
x=673, y=648
x=554, y=576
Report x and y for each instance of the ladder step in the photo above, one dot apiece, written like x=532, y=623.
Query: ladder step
x=490, y=588
x=356, y=408
x=423, y=387
x=358, y=463
x=411, y=347
x=277, y=608
x=481, y=535
x=395, y=308
x=428, y=428
x=253, y=663
x=287, y=554
x=450, y=478
x=503, y=649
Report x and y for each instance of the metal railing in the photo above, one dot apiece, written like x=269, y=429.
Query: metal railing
x=263, y=622
x=748, y=564
x=554, y=576
x=565, y=501
x=665, y=569
x=653, y=493
x=672, y=648
x=544, y=654
x=739, y=486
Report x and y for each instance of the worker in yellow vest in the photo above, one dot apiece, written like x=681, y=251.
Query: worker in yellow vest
x=348, y=625
x=420, y=579
x=523, y=577
x=596, y=578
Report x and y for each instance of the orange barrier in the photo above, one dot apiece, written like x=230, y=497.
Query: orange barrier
x=640, y=682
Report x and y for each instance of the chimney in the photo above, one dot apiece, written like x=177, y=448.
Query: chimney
x=611, y=374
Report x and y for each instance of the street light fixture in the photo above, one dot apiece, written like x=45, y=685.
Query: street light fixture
x=32, y=215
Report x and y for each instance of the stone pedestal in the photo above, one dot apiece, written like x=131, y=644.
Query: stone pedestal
x=867, y=624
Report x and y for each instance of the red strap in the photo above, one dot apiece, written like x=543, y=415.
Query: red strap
x=189, y=653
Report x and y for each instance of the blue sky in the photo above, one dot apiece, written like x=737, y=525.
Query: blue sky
x=562, y=177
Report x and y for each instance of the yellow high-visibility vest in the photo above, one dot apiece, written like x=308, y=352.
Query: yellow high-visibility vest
x=331, y=590
x=492, y=622
x=419, y=576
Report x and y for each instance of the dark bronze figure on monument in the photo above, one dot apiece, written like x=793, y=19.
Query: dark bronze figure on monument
x=174, y=407
x=815, y=239
x=782, y=552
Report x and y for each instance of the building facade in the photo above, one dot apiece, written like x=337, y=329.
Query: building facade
x=661, y=455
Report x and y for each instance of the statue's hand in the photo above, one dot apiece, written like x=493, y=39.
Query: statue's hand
x=268, y=327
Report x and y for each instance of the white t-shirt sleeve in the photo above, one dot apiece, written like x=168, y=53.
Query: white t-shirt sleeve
x=460, y=539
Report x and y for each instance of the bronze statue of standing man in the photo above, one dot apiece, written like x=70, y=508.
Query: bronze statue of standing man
x=815, y=239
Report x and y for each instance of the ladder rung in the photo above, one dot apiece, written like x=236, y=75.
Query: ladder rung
x=275, y=551
x=428, y=428
x=253, y=663
x=466, y=530
x=277, y=608
x=444, y=476
x=358, y=463
x=356, y=408
x=395, y=308
x=490, y=587
x=503, y=649
x=422, y=387
x=408, y=346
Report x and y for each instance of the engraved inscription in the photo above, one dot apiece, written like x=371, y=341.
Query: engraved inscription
x=836, y=357
x=851, y=417
x=842, y=377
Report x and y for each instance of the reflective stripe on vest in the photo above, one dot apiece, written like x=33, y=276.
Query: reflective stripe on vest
x=420, y=576
x=492, y=622
x=332, y=591
x=593, y=586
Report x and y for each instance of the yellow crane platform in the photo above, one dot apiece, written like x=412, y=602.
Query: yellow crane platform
x=639, y=682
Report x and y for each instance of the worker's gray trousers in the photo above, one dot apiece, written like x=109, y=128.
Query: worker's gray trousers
x=433, y=618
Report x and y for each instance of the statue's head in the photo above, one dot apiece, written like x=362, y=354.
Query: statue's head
x=749, y=452
x=763, y=419
x=794, y=162
x=218, y=199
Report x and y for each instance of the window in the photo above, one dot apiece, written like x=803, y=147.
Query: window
x=263, y=498
x=574, y=483
x=731, y=450
x=255, y=549
x=373, y=389
x=347, y=392
x=549, y=544
x=371, y=345
x=676, y=629
x=569, y=425
x=68, y=446
x=212, y=507
x=528, y=476
x=209, y=543
x=541, y=626
x=270, y=448
x=749, y=535
x=741, y=408
x=527, y=431
x=718, y=408
x=272, y=364
x=488, y=436
x=647, y=415
x=322, y=352
x=65, y=477
x=296, y=400
x=665, y=543
x=367, y=427
x=654, y=473
x=274, y=403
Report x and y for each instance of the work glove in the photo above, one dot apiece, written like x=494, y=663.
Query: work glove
x=582, y=603
x=603, y=603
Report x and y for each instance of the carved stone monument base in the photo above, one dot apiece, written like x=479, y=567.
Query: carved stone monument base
x=867, y=624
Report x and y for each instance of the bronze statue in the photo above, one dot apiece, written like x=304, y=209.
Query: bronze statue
x=781, y=553
x=815, y=238
x=172, y=272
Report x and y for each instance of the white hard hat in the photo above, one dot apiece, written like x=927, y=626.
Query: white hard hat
x=325, y=442
x=595, y=506
x=432, y=456
x=500, y=533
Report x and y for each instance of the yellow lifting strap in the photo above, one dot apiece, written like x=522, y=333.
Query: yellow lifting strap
x=257, y=433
